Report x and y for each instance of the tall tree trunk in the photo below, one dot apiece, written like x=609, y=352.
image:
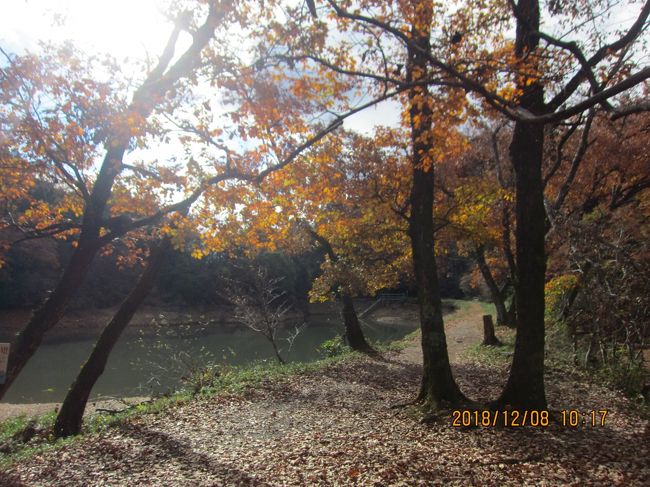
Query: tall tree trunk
x=69, y=419
x=438, y=386
x=353, y=332
x=525, y=387
x=495, y=293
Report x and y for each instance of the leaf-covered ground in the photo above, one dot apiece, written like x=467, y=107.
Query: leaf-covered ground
x=337, y=427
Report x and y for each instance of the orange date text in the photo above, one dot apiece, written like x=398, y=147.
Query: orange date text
x=469, y=418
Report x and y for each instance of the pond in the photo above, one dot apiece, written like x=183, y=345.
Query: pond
x=144, y=364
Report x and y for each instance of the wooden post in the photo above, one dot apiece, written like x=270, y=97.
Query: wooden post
x=4, y=358
x=489, y=338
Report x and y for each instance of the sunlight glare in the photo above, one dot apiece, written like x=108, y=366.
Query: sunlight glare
x=122, y=28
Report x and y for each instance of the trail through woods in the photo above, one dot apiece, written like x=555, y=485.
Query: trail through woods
x=337, y=426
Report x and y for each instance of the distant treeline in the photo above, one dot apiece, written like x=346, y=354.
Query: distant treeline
x=33, y=267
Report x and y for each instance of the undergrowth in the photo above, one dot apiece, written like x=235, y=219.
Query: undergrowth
x=620, y=374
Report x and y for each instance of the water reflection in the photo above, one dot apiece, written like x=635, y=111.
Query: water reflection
x=140, y=365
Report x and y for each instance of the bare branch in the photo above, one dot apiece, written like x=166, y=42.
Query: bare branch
x=626, y=110
x=575, y=163
x=601, y=54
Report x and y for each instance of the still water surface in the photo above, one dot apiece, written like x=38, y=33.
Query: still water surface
x=141, y=365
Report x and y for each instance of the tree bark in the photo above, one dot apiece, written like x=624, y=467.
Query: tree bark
x=69, y=419
x=525, y=387
x=353, y=332
x=438, y=387
x=495, y=293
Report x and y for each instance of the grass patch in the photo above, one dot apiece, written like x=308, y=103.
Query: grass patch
x=398, y=345
x=488, y=308
x=13, y=426
x=238, y=379
x=494, y=355
x=462, y=305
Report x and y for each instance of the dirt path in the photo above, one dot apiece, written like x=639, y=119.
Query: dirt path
x=463, y=329
x=337, y=426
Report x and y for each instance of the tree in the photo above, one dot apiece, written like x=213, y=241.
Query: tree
x=260, y=304
x=341, y=198
x=68, y=135
x=438, y=385
x=45, y=135
x=477, y=213
x=353, y=332
x=69, y=418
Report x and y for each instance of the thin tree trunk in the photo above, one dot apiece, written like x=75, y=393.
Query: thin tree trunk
x=495, y=292
x=525, y=387
x=277, y=352
x=69, y=419
x=438, y=387
x=512, y=313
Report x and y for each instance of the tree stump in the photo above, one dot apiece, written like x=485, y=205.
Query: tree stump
x=489, y=338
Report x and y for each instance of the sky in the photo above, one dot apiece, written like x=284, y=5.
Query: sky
x=121, y=27
x=126, y=29
x=137, y=29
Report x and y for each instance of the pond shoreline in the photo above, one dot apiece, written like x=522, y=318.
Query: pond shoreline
x=81, y=324
x=405, y=315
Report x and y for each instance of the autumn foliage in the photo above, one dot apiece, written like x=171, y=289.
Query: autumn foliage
x=514, y=147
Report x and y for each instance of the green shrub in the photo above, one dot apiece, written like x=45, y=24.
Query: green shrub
x=555, y=294
x=623, y=374
x=201, y=377
x=333, y=347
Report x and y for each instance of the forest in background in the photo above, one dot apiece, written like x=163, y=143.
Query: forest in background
x=32, y=269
